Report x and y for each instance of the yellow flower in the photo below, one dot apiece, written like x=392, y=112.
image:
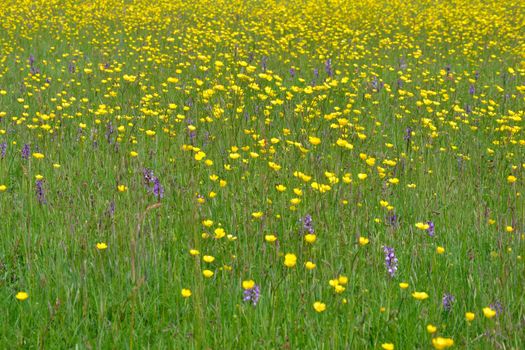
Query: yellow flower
x=102, y=246
x=219, y=233
x=442, y=343
x=208, y=258
x=56, y=165
x=488, y=312
x=133, y=154
x=309, y=265
x=363, y=241
x=194, y=252
x=199, y=155
x=422, y=226
x=248, y=284
x=88, y=71
x=150, y=132
x=39, y=177
x=362, y=176
x=394, y=181
x=387, y=346
x=3, y=188
x=431, y=328
x=186, y=293
x=511, y=179
x=420, y=295
x=257, y=215
x=469, y=316
x=342, y=279
x=22, y=296
x=314, y=140
x=280, y=188
x=319, y=307
x=207, y=273
x=440, y=250
x=38, y=155
x=270, y=238
x=207, y=223
x=509, y=229
x=122, y=188
x=310, y=238
x=403, y=285
x=290, y=260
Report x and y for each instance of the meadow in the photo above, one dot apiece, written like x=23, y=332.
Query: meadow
x=299, y=174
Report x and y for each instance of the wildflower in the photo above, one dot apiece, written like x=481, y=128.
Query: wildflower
x=387, y=346
x=448, y=300
x=362, y=176
x=469, y=316
x=122, y=188
x=207, y=273
x=308, y=225
x=186, y=293
x=270, y=238
x=26, y=150
x=431, y=328
x=208, y=258
x=257, y=215
x=219, y=233
x=3, y=149
x=102, y=246
x=363, y=241
x=314, y=140
x=133, y=154
x=319, y=307
x=40, y=194
x=440, y=250
x=342, y=279
x=431, y=228
x=22, y=296
x=248, y=284
x=290, y=260
x=310, y=238
x=511, y=179
x=309, y=265
x=422, y=226
x=403, y=285
x=3, y=188
x=252, y=293
x=194, y=252
x=442, y=343
x=420, y=295
x=390, y=260
x=38, y=155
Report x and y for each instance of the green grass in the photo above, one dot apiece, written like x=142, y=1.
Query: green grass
x=395, y=65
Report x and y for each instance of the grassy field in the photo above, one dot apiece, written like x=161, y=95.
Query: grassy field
x=262, y=174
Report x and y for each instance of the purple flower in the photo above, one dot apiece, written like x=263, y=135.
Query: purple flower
x=390, y=260
x=292, y=72
x=158, y=190
x=496, y=306
x=448, y=300
x=328, y=67
x=3, y=149
x=408, y=134
x=431, y=228
x=152, y=183
x=392, y=220
x=252, y=295
x=40, y=193
x=26, y=150
x=308, y=225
